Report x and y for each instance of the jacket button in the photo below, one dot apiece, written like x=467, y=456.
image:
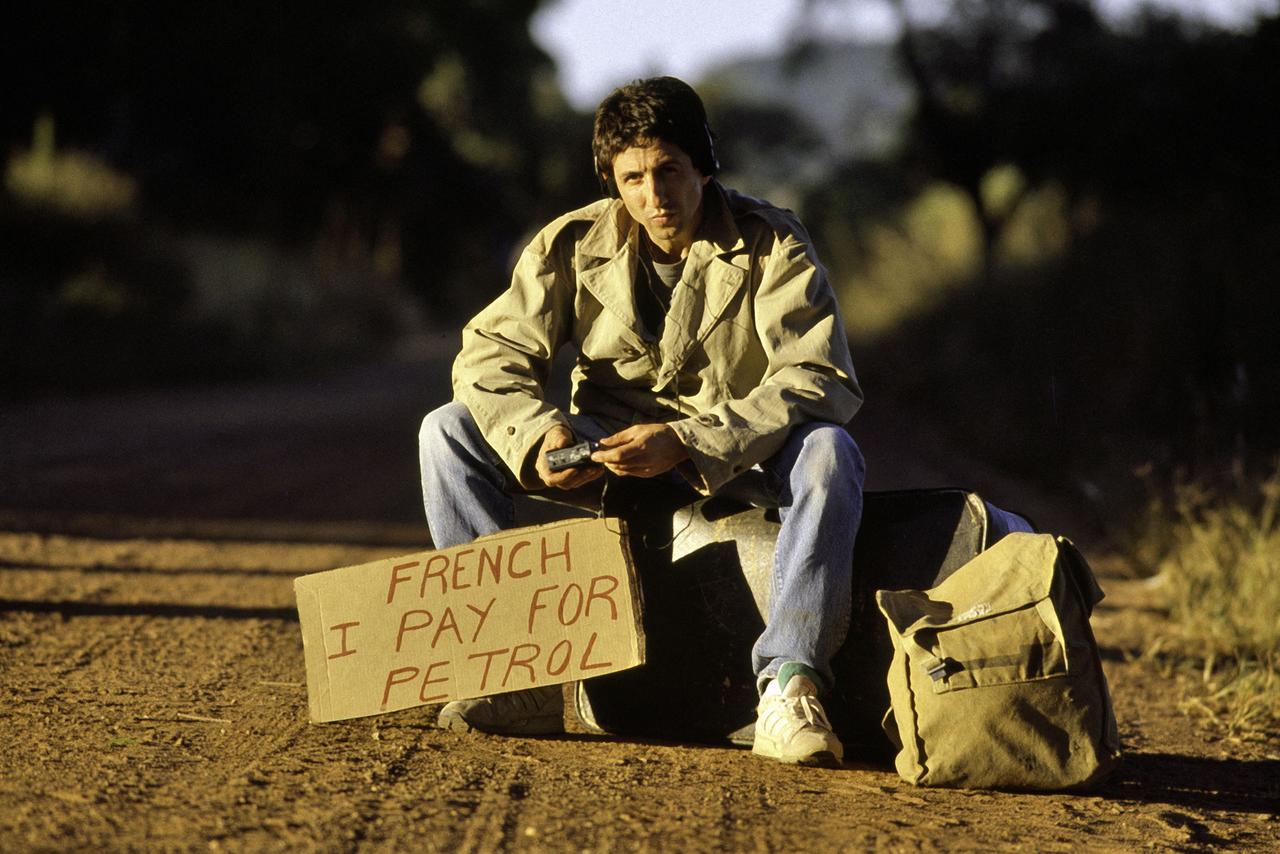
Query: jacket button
x=511, y=431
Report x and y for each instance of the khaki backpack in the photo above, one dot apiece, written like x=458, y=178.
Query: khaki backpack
x=996, y=680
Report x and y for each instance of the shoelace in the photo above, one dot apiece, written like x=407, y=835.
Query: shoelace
x=813, y=712
x=809, y=708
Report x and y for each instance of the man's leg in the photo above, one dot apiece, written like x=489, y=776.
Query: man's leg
x=466, y=491
x=465, y=488
x=820, y=473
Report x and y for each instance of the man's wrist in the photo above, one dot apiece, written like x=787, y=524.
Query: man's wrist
x=675, y=437
x=530, y=474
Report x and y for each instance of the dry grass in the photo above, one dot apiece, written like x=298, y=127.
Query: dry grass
x=1217, y=559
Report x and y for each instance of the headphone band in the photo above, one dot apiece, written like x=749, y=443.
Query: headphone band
x=711, y=148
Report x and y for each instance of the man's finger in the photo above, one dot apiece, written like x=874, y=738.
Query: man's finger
x=578, y=477
x=625, y=470
x=556, y=438
x=616, y=454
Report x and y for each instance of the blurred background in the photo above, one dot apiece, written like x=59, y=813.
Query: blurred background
x=1054, y=225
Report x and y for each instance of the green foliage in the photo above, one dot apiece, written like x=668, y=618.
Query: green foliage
x=906, y=264
x=914, y=254
x=71, y=181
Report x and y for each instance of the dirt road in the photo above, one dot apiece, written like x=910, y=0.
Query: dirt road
x=151, y=677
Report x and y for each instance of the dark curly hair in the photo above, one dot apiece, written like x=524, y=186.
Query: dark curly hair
x=656, y=108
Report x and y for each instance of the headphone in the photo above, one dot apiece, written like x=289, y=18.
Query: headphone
x=609, y=188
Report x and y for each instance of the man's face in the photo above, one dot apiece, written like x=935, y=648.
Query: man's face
x=662, y=190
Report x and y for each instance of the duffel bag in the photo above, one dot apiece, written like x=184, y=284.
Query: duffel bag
x=996, y=680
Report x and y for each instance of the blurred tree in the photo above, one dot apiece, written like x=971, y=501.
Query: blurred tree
x=765, y=149
x=1147, y=334
x=965, y=67
x=412, y=130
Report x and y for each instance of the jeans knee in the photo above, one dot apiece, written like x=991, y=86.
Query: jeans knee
x=442, y=426
x=830, y=454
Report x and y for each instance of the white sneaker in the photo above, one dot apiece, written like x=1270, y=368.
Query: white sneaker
x=792, y=727
x=533, y=711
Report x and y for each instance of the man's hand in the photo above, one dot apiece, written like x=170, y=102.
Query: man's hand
x=641, y=450
x=556, y=438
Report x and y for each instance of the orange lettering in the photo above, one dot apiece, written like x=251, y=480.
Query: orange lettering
x=458, y=568
x=526, y=663
x=427, y=573
x=552, y=670
x=511, y=560
x=534, y=607
x=392, y=680
x=397, y=579
x=577, y=611
x=484, y=615
x=342, y=627
x=587, y=654
x=495, y=565
x=488, y=657
x=546, y=555
x=447, y=623
x=405, y=627
x=427, y=680
x=606, y=595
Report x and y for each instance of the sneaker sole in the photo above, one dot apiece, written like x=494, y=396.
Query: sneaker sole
x=821, y=759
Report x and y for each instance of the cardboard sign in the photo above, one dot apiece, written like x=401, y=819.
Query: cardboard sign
x=533, y=606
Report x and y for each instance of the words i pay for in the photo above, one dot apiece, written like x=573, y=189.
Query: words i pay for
x=572, y=602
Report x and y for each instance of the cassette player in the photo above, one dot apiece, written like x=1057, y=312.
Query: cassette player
x=572, y=456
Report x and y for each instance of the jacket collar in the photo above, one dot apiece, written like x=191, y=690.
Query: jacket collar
x=719, y=227
x=606, y=261
x=711, y=282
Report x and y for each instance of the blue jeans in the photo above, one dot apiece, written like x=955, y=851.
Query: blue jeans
x=815, y=481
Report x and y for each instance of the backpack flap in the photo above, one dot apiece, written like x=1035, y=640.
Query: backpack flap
x=994, y=623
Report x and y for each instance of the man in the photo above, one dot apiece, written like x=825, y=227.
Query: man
x=710, y=352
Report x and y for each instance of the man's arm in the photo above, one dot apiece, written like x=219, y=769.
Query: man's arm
x=502, y=369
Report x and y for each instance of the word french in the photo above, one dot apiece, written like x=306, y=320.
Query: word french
x=487, y=563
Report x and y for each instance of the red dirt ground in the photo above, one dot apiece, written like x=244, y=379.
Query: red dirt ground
x=151, y=674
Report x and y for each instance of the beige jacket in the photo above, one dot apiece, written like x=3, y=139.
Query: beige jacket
x=753, y=343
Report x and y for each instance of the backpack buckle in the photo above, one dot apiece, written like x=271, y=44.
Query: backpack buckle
x=938, y=671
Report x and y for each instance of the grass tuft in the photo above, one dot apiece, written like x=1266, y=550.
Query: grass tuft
x=1217, y=560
